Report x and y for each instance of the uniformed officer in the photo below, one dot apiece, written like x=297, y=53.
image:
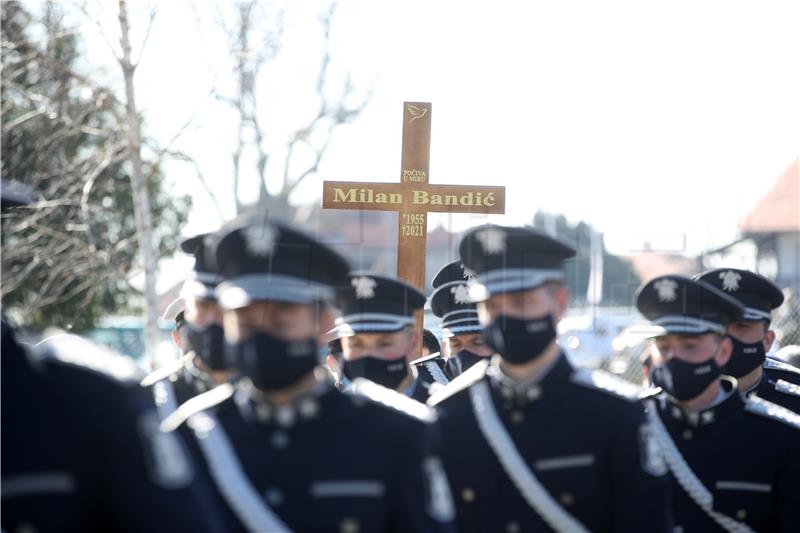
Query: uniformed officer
x=377, y=332
x=430, y=344
x=532, y=443
x=176, y=313
x=464, y=344
x=334, y=361
x=735, y=462
x=270, y=441
x=752, y=338
x=202, y=363
x=81, y=447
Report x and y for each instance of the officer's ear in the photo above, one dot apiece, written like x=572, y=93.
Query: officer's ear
x=327, y=320
x=769, y=338
x=724, y=352
x=176, y=339
x=560, y=294
x=415, y=339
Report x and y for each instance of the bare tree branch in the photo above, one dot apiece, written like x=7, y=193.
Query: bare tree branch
x=151, y=19
x=141, y=199
x=82, y=8
x=180, y=156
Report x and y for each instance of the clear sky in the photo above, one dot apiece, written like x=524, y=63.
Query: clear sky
x=649, y=120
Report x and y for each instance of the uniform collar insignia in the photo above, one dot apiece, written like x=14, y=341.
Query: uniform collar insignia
x=305, y=407
x=468, y=272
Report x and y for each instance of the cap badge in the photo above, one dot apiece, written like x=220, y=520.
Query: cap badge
x=492, y=240
x=468, y=272
x=666, y=290
x=364, y=286
x=260, y=240
x=730, y=280
x=460, y=294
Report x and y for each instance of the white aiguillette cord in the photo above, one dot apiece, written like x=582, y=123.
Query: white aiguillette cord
x=436, y=373
x=514, y=465
x=686, y=478
x=225, y=467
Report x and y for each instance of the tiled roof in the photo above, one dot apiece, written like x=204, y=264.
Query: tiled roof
x=779, y=210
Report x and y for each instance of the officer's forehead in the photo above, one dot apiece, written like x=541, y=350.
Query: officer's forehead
x=370, y=337
x=683, y=337
x=537, y=293
x=748, y=324
x=202, y=303
x=467, y=337
x=261, y=307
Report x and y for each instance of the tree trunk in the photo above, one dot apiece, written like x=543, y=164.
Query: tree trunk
x=141, y=199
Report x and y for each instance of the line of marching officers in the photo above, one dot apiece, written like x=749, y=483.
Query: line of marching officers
x=248, y=432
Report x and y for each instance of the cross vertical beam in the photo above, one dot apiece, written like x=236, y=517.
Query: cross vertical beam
x=412, y=230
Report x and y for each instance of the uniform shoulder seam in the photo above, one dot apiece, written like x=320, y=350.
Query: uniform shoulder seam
x=767, y=409
x=393, y=400
x=463, y=381
x=426, y=358
x=787, y=387
x=774, y=364
x=75, y=351
x=197, y=404
x=607, y=383
x=165, y=371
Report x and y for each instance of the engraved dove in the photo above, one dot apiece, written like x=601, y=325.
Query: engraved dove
x=416, y=112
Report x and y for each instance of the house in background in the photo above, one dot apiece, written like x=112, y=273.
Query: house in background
x=770, y=235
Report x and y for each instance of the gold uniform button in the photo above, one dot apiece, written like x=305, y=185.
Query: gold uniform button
x=566, y=498
x=741, y=514
x=349, y=525
x=517, y=417
x=468, y=495
x=513, y=527
x=687, y=435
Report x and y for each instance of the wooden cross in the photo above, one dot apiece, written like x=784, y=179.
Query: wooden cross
x=413, y=197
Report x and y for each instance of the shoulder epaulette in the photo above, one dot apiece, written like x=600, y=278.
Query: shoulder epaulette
x=431, y=357
x=463, y=381
x=759, y=406
x=787, y=388
x=74, y=350
x=165, y=371
x=608, y=383
x=392, y=399
x=774, y=364
x=649, y=392
x=194, y=405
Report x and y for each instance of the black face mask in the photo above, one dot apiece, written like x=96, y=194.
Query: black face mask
x=272, y=363
x=208, y=343
x=389, y=373
x=519, y=341
x=468, y=359
x=745, y=357
x=684, y=381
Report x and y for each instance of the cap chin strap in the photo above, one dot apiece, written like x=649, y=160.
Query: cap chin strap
x=686, y=477
x=514, y=465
